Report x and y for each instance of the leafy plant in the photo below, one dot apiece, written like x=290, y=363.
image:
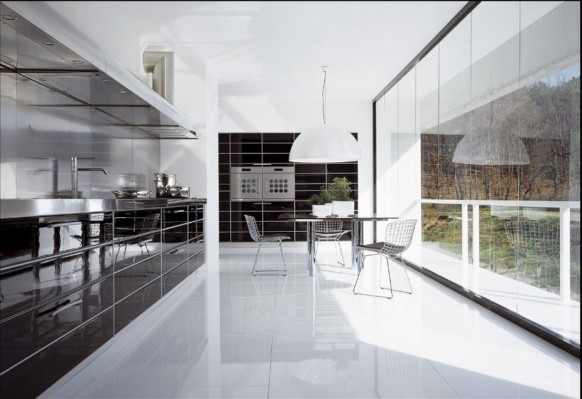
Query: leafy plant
x=338, y=190
x=324, y=197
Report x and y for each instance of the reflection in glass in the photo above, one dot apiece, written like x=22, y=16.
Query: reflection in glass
x=492, y=225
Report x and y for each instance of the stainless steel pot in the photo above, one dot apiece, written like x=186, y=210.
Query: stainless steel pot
x=174, y=191
x=164, y=181
x=185, y=192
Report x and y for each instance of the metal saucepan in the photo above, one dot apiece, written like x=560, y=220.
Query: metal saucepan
x=174, y=191
x=185, y=192
x=131, y=194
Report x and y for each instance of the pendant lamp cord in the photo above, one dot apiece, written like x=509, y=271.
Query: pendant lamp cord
x=324, y=95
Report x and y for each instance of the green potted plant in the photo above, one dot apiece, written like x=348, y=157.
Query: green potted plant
x=341, y=194
x=321, y=203
x=335, y=198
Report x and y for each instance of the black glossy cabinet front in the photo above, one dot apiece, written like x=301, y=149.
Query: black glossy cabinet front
x=67, y=288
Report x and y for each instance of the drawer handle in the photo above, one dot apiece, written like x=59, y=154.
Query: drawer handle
x=46, y=311
x=77, y=302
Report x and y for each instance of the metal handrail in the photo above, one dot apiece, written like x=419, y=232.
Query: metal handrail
x=564, y=207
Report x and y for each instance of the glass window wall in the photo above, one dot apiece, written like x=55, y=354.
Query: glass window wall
x=488, y=126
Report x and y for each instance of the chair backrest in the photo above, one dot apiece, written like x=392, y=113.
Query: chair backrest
x=398, y=236
x=530, y=237
x=328, y=226
x=150, y=222
x=253, y=228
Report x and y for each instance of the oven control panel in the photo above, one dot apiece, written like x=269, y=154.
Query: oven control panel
x=256, y=183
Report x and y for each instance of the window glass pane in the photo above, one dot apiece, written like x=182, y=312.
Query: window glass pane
x=498, y=111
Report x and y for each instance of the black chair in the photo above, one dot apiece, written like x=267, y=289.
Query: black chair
x=329, y=230
x=397, y=240
x=258, y=237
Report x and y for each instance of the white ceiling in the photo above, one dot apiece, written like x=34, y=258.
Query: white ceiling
x=276, y=49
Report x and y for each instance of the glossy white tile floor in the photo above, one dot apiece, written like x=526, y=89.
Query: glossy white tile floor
x=225, y=334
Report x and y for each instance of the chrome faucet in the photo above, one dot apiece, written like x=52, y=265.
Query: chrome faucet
x=75, y=175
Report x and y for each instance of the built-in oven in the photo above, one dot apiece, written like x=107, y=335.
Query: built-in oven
x=256, y=183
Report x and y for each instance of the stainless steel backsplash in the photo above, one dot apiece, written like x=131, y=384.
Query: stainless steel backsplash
x=40, y=130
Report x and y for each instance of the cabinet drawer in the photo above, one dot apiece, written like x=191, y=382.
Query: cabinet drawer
x=26, y=333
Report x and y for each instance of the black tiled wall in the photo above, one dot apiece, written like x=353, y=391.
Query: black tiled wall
x=248, y=149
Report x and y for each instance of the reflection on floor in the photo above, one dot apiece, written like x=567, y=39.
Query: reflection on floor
x=226, y=334
x=537, y=304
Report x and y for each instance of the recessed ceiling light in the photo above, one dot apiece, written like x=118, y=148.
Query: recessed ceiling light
x=123, y=91
x=8, y=17
x=47, y=43
x=78, y=62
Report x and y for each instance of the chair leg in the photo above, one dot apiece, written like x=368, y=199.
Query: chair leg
x=407, y=277
x=358, y=277
x=337, y=242
x=114, y=259
x=405, y=273
x=149, y=260
x=275, y=272
x=389, y=278
x=256, y=257
x=343, y=262
x=360, y=256
x=283, y=257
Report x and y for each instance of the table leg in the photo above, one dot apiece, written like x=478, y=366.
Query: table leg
x=310, y=247
x=356, y=240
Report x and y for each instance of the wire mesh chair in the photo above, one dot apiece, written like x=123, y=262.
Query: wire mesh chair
x=258, y=237
x=149, y=225
x=397, y=240
x=330, y=230
x=536, y=242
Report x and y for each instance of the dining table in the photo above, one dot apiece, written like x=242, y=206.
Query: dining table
x=357, y=222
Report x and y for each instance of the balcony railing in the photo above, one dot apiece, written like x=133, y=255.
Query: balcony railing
x=566, y=213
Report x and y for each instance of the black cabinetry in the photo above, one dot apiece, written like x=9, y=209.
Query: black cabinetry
x=69, y=283
x=251, y=149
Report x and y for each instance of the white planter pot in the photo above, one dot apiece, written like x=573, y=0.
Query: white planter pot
x=322, y=210
x=343, y=208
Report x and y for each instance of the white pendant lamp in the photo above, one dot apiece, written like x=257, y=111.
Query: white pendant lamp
x=491, y=146
x=325, y=143
x=491, y=149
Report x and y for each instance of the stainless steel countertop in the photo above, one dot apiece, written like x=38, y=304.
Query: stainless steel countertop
x=31, y=208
